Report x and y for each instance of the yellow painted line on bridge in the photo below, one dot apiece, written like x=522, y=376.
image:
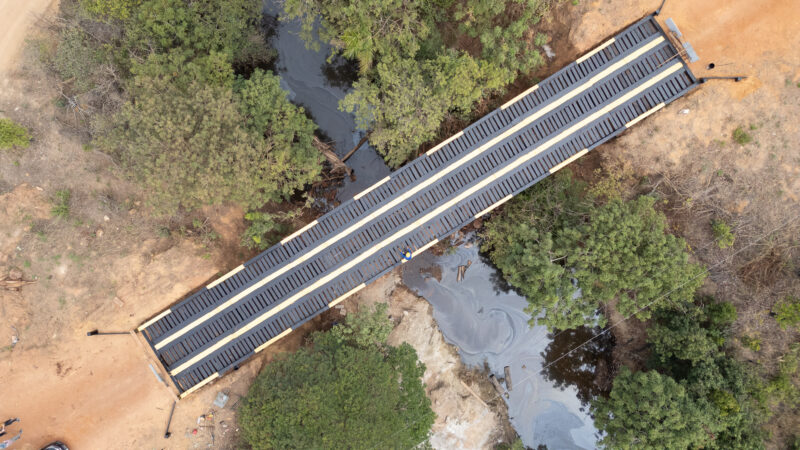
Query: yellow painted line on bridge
x=593, y=52
x=640, y=118
x=200, y=384
x=297, y=233
x=516, y=99
x=225, y=277
x=566, y=162
x=154, y=319
x=369, y=189
x=490, y=208
x=431, y=215
x=425, y=183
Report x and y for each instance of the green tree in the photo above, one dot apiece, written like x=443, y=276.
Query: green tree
x=615, y=251
x=412, y=79
x=207, y=145
x=111, y=9
x=338, y=394
x=13, y=135
x=405, y=101
x=649, y=410
x=690, y=332
x=365, y=30
x=364, y=328
x=505, y=33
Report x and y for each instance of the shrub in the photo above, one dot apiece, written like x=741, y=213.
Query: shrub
x=753, y=343
x=364, y=328
x=741, y=137
x=782, y=387
x=649, y=410
x=722, y=233
x=13, y=135
x=788, y=312
x=60, y=202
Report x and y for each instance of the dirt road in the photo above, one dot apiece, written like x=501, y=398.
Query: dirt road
x=16, y=16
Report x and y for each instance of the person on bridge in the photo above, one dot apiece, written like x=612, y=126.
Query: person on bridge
x=407, y=254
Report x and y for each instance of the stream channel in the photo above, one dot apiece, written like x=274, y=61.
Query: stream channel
x=480, y=315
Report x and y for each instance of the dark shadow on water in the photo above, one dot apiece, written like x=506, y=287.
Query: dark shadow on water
x=340, y=72
x=586, y=368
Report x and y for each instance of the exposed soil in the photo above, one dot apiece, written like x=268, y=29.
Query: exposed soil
x=462, y=420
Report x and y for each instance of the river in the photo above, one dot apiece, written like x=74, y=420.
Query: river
x=482, y=317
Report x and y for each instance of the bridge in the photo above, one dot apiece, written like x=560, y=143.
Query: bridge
x=555, y=122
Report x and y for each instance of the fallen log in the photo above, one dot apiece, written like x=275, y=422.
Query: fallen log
x=507, y=371
x=474, y=394
x=358, y=146
x=328, y=153
x=497, y=386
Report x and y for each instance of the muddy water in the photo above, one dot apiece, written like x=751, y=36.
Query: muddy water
x=318, y=86
x=487, y=322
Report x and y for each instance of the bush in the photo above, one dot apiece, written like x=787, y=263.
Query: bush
x=741, y=137
x=340, y=393
x=13, y=135
x=60, y=202
x=753, y=343
x=364, y=328
x=262, y=231
x=722, y=233
x=788, y=312
x=782, y=387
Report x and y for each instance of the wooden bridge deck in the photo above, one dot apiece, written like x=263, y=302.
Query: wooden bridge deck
x=578, y=108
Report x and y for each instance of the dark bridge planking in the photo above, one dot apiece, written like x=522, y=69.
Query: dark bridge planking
x=578, y=108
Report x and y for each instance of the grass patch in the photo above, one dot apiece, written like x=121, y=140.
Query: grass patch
x=61, y=203
x=13, y=135
x=722, y=233
x=742, y=137
x=787, y=312
x=753, y=343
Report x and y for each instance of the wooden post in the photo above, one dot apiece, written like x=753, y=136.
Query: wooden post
x=497, y=386
x=507, y=371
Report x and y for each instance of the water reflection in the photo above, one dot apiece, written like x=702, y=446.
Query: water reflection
x=584, y=369
x=318, y=86
x=485, y=319
x=340, y=72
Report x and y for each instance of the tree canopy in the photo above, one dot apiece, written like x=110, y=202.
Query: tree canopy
x=190, y=129
x=414, y=73
x=348, y=390
x=649, y=410
x=568, y=254
x=714, y=392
